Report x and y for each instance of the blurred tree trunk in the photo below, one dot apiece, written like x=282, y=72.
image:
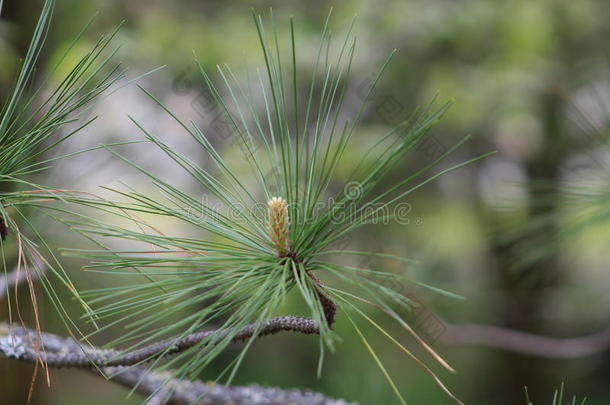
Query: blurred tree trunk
x=527, y=289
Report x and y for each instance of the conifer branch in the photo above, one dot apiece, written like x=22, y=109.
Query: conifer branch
x=15, y=342
x=62, y=351
x=185, y=392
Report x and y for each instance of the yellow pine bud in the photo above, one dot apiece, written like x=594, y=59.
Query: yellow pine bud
x=277, y=208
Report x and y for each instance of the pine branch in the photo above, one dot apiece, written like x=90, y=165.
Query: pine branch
x=59, y=351
x=90, y=357
x=184, y=392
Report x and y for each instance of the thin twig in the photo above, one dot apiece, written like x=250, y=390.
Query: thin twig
x=16, y=277
x=328, y=305
x=16, y=343
x=527, y=343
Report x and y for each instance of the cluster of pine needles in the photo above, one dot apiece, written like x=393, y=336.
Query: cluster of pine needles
x=37, y=116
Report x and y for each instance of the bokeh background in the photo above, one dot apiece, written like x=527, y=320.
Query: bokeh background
x=531, y=80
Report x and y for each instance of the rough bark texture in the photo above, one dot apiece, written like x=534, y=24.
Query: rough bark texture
x=90, y=357
x=161, y=388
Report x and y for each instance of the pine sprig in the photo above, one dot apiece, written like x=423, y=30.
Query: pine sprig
x=31, y=124
x=264, y=241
